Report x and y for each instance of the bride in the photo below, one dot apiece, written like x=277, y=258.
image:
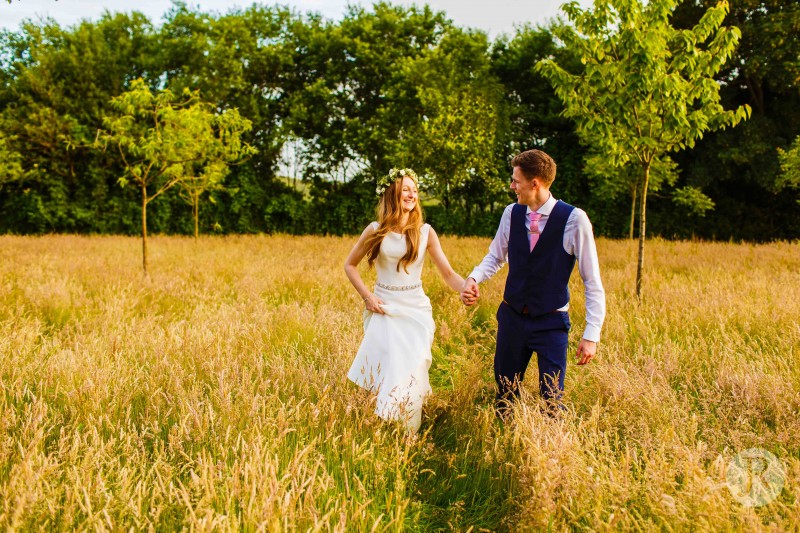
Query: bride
x=395, y=355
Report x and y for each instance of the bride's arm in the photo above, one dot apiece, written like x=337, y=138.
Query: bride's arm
x=450, y=276
x=358, y=252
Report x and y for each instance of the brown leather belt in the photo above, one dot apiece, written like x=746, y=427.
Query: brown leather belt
x=524, y=307
x=524, y=310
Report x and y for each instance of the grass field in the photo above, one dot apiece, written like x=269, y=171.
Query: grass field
x=212, y=395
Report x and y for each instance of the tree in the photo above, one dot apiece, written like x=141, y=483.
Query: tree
x=790, y=167
x=647, y=88
x=740, y=167
x=55, y=88
x=453, y=137
x=244, y=59
x=158, y=137
x=198, y=179
x=454, y=141
x=344, y=101
x=610, y=180
x=207, y=173
x=10, y=162
x=535, y=112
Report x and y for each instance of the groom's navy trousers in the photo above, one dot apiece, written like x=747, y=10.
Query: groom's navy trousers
x=518, y=337
x=528, y=321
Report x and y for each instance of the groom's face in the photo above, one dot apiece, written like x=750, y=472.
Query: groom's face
x=522, y=186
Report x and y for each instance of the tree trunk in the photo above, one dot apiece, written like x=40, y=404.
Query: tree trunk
x=642, y=221
x=196, y=214
x=633, y=210
x=144, y=229
x=757, y=94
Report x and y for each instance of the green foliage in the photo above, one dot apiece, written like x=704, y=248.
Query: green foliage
x=536, y=110
x=534, y=120
x=458, y=119
x=740, y=167
x=610, y=180
x=396, y=87
x=386, y=86
x=10, y=162
x=350, y=106
x=253, y=51
x=790, y=167
x=287, y=212
x=206, y=174
x=341, y=208
x=459, y=221
x=160, y=138
x=646, y=87
x=693, y=200
x=55, y=90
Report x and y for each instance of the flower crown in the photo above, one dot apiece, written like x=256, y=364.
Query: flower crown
x=396, y=173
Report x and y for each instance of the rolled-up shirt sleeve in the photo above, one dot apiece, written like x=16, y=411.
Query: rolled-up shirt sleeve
x=498, y=250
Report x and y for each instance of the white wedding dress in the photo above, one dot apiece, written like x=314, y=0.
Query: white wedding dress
x=395, y=355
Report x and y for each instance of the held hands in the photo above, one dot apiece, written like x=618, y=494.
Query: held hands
x=373, y=303
x=586, y=350
x=470, y=292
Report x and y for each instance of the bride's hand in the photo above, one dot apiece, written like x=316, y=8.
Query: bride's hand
x=470, y=292
x=374, y=304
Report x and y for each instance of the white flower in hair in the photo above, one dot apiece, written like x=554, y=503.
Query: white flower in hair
x=385, y=181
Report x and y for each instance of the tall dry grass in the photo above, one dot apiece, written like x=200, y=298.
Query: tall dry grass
x=212, y=396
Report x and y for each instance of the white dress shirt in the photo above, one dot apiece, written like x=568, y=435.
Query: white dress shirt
x=578, y=241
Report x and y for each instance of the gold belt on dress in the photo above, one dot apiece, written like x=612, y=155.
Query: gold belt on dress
x=399, y=287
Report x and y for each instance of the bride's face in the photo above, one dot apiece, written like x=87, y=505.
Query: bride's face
x=409, y=195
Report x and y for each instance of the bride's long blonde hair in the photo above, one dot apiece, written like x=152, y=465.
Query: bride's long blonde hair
x=389, y=214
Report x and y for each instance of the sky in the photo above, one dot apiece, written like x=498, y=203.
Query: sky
x=492, y=16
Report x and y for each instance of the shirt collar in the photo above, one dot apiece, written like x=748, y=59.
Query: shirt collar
x=546, y=207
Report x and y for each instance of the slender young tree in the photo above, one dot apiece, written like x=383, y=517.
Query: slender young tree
x=158, y=137
x=223, y=146
x=646, y=88
x=198, y=181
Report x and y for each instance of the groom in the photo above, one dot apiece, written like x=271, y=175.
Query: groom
x=541, y=238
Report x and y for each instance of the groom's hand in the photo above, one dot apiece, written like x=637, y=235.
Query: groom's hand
x=470, y=292
x=586, y=350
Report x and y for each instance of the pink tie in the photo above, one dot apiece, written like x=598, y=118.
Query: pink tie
x=534, y=231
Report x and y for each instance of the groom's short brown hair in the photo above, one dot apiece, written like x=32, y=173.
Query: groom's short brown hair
x=536, y=164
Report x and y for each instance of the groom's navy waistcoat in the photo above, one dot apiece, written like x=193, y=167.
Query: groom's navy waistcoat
x=538, y=280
